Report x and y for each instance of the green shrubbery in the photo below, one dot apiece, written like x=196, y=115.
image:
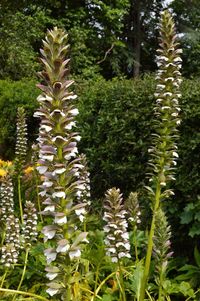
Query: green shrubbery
x=116, y=123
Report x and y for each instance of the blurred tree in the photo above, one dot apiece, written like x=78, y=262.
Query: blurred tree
x=188, y=24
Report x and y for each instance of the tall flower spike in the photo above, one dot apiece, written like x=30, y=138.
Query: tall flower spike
x=59, y=163
x=7, y=198
x=133, y=208
x=164, y=150
x=117, y=238
x=10, y=249
x=21, y=143
x=30, y=223
x=161, y=248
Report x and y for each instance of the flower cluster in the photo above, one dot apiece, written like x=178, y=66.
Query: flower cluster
x=162, y=242
x=21, y=142
x=7, y=198
x=133, y=209
x=117, y=238
x=10, y=249
x=30, y=223
x=164, y=150
x=59, y=164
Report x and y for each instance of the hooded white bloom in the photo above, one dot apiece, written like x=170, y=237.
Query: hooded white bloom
x=52, y=291
x=59, y=194
x=52, y=275
x=74, y=253
x=60, y=220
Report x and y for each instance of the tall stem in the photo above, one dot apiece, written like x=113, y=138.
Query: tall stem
x=38, y=197
x=135, y=243
x=122, y=282
x=160, y=287
x=23, y=273
x=3, y=278
x=20, y=197
x=150, y=244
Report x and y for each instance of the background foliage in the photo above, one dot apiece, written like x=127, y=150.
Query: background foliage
x=116, y=122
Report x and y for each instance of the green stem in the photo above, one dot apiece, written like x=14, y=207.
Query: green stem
x=3, y=237
x=38, y=197
x=101, y=284
x=3, y=278
x=135, y=243
x=160, y=292
x=20, y=197
x=22, y=293
x=121, y=282
x=150, y=244
x=23, y=273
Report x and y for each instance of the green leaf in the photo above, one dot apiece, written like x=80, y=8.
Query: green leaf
x=197, y=256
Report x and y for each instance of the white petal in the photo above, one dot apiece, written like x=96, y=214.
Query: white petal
x=59, y=194
x=51, y=276
x=52, y=291
x=74, y=254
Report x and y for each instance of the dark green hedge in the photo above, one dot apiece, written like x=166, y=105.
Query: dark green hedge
x=116, y=122
x=12, y=95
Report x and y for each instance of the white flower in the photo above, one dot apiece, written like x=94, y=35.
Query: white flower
x=112, y=250
x=47, y=157
x=50, y=255
x=74, y=254
x=60, y=220
x=41, y=169
x=72, y=96
x=175, y=154
x=59, y=171
x=51, y=276
x=74, y=112
x=52, y=291
x=80, y=211
x=63, y=246
x=70, y=125
x=59, y=194
x=47, y=128
x=49, y=232
x=50, y=208
x=114, y=259
x=47, y=184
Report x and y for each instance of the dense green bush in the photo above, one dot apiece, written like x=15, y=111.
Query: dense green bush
x=12, y=95
x=116, y=122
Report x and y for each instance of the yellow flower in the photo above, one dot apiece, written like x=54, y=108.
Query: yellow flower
x=3, y=172
x=8, y=163
x=28, y=170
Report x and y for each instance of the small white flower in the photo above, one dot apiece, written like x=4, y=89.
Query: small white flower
x=70, y=125
x=59, y=194
x=52, y=291
x=59, y=171
x=47, y=128
x=51, y=276
x=175, y=154
x=47, y=157
x=74, y=254
x=74, y=112
x=50, y=255
x=60, y=220
x=50, y=208
x=112, y=250
x=41, y=169
x=114, y=259
x=63, y=246
x=72, y=96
